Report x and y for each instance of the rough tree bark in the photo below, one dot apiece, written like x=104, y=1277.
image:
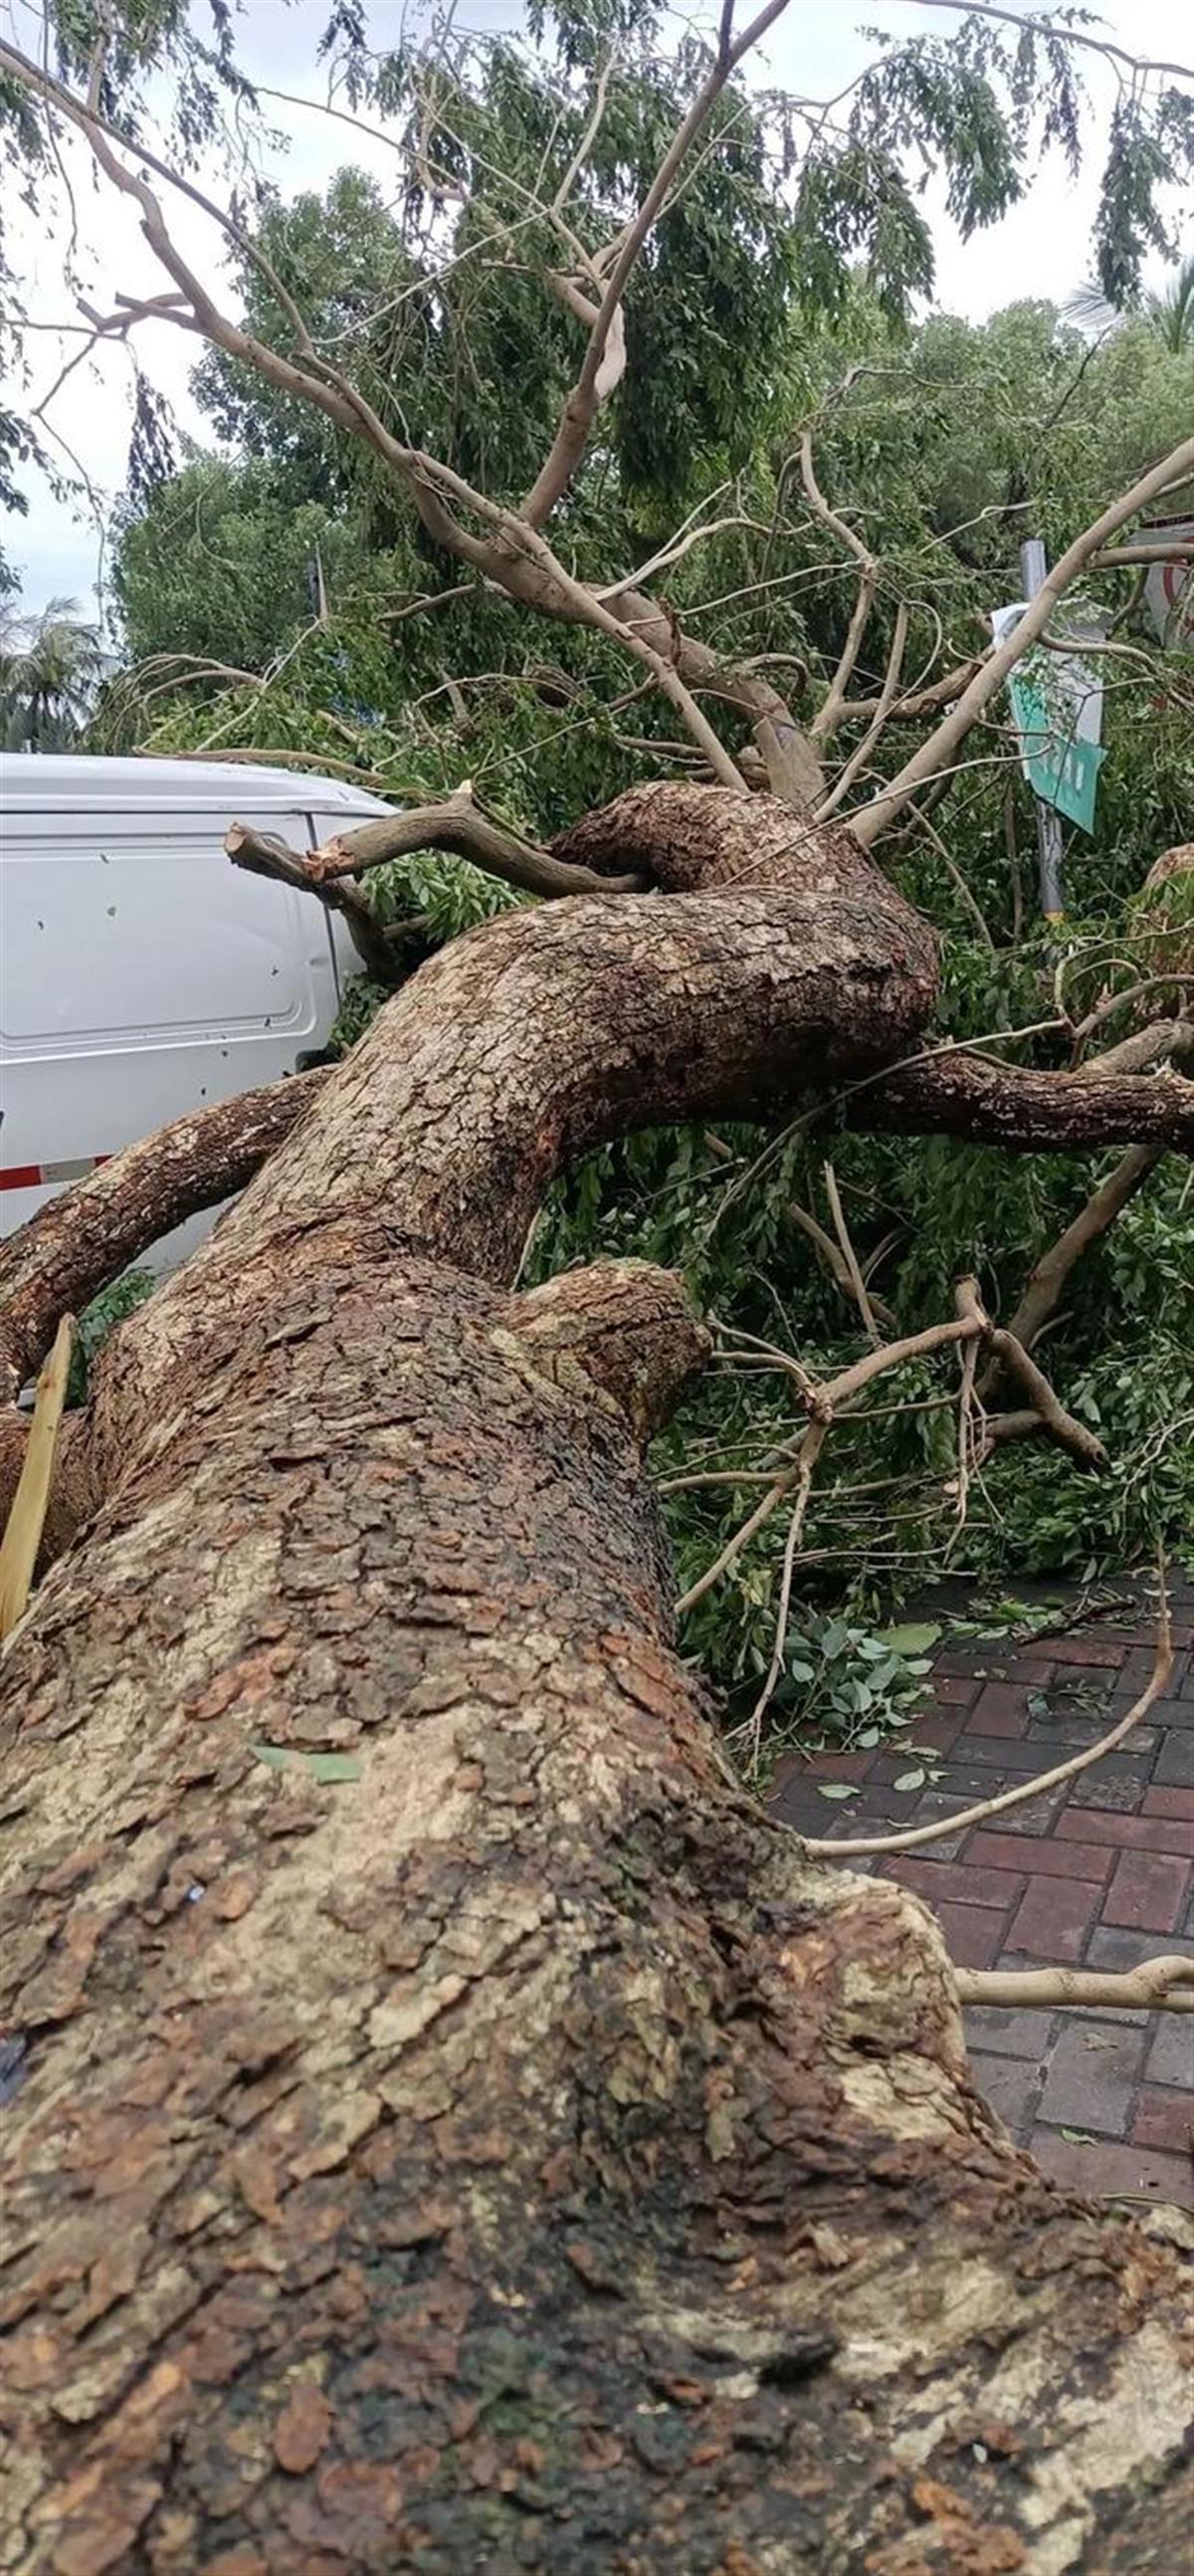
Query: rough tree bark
x=458, y=2129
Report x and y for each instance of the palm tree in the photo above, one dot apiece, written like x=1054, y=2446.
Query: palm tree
x=50, y=665
x=1169, y=312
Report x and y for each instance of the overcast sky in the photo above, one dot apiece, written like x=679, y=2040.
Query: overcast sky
x=1042, y=249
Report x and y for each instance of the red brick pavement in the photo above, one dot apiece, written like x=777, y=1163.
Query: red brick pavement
x=1097, y=1873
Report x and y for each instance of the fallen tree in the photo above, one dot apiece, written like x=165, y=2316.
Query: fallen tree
x=452, y=2125
x=456, y=2126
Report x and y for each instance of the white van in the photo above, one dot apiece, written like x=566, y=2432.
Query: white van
x=141, y=974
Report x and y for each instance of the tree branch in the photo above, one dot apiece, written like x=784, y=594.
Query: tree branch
x=1049, y=1274
x=459, y=824
x=513, y=555
x=1165, y=1984
x=919, y=703
x=581, y=407
x=261, y=854
x=82, y=1239
x=1066, y=33
x=883, y=706
x=826, y=1402
x=938, y=751
x=962, y=1094
x=829, y=713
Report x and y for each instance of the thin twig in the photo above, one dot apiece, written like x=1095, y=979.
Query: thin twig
x=850, y=1258
x=865, y=1845
x=810, y=1450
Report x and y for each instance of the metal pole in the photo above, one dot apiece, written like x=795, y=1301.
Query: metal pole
x=1048, y=826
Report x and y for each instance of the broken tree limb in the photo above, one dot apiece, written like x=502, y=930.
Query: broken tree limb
x=1164, y=1984
x=72, y=1496
x=1047, y=1279
x=82, y=1239
x=459, y=823
x=22, y=1534
x=262, y=854
x=627, y=1326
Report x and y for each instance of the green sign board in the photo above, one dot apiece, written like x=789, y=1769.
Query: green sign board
x=1061, y=764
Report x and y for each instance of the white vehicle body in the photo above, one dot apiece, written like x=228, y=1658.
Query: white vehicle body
x=141, y=974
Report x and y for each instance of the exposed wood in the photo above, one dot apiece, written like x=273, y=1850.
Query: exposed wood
x=26, y=1518
x=1159, y=1985
x=72, y=1497
x=262, y=854
x=460, y=824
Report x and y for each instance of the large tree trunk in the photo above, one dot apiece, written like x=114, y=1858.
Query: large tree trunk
x=495, y=2145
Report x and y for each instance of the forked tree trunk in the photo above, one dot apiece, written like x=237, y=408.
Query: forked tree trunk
x=458, y=2129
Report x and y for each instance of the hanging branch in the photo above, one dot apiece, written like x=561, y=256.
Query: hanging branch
x=581, y=408
x=829, y=713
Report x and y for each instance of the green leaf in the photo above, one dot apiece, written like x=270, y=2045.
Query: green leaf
x=912, y=1640
x=836, y=1789
x=1079, y=2138
x=910, y=1780
x=1038, y=1705
x=324, y=1767
x=870, y=1735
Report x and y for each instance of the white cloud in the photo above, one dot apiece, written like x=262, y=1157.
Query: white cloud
x=1041, y=249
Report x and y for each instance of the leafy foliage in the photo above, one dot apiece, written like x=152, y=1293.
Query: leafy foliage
x=99, y=1319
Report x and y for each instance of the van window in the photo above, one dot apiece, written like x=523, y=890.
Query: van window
x=120, y=938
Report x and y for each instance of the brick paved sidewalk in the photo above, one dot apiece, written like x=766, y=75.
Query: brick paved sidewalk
x=1097, y=1873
